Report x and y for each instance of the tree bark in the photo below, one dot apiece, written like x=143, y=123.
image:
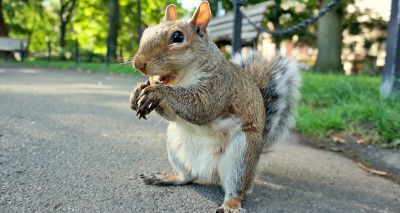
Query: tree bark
x=65, y=14
x=391, y=71
x=63, y=29
x=277, y=13
x=3, y=24
x=113, y=23
x=329, y=41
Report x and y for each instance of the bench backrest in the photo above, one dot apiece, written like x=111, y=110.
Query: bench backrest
x=12, y=44
x=221, y=28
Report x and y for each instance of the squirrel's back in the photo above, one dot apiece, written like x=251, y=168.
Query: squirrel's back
x=279, y=81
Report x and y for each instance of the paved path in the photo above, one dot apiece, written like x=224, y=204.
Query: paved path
x=70, y=142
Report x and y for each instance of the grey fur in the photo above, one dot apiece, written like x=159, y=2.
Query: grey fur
x=279, y=82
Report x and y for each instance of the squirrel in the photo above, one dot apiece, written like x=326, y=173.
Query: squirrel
x=221, y=113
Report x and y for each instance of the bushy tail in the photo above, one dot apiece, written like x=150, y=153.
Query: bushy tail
x=279, y=81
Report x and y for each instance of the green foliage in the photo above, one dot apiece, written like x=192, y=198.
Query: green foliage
x=336, y=102
x=89, y=24
x=39, y=21
x=370, y=25
x=29, y=19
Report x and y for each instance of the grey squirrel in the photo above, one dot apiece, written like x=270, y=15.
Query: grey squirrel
x=221, y=113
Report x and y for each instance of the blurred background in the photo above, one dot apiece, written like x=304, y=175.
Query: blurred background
x=342, y=53
x=360, y=35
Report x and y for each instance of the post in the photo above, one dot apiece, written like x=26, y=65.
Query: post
x=76, y=48
x=48, y=49
x=237, y=26
x=121, y=55
x=391, y=70
x=139, y=23
x=108, y=52
x=22, y=51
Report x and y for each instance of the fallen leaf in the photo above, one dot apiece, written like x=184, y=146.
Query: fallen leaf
x=373, y=171
x=338, y=139
x=360, y=141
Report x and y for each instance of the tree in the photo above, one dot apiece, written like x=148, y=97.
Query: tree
x=27, y=19
x=391, y=71
x=285, y=14
x=214, y=6
x=36, y=20
x=289, y=13
x=329, y=41
x=365, y=39
x=65, y=14
x=113, y=27
x=3, y=24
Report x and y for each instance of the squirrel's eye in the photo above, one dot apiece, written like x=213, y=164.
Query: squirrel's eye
x=177, y=37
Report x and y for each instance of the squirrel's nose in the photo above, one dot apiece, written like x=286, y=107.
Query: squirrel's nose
x=139, y=64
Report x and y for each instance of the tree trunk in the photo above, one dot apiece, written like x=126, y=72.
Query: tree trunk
x=391, y=71
x=63, y=29
x=3, y=24
x=329, y=41
x=65, y=15
x=113, y=23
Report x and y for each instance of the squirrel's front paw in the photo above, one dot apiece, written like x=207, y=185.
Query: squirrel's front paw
x=134, y=97
x=148, y=100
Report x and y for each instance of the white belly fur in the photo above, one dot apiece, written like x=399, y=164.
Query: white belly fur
x=205, y=152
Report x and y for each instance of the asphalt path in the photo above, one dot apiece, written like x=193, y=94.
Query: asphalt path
x=69, y=142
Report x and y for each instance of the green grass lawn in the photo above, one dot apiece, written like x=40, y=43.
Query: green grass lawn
x=123, y=69
x=337, y=103
x=331, y=104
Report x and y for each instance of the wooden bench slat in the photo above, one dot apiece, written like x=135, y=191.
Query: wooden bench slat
x=249, y=11
x=246, y=37
x=255, y=19
x=229, y=33
x=246, y=28
x=229, y=17
x=221, y=28
x=12, y=44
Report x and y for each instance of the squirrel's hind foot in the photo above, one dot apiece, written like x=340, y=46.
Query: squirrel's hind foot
x=229, y=210
x=161, y=179
x=231, y=205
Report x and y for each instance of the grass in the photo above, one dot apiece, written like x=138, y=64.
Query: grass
x=336, y=103
x=331, y=104
x=122, y=69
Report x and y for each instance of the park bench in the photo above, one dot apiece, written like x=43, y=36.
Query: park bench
x=221, y=28
x=14, y=45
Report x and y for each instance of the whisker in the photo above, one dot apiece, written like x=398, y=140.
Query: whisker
x=158, y=122
x=120, y=59
x=128, y=62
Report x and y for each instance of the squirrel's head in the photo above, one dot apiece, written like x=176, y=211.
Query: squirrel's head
x=169, y=49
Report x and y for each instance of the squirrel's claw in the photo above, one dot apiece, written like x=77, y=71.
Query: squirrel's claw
x=154, y=178
x=134, y=97
x=148, y=100
x=141, y=115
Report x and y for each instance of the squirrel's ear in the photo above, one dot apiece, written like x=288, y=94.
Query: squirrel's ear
x=201, y=16
x=170, y=13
